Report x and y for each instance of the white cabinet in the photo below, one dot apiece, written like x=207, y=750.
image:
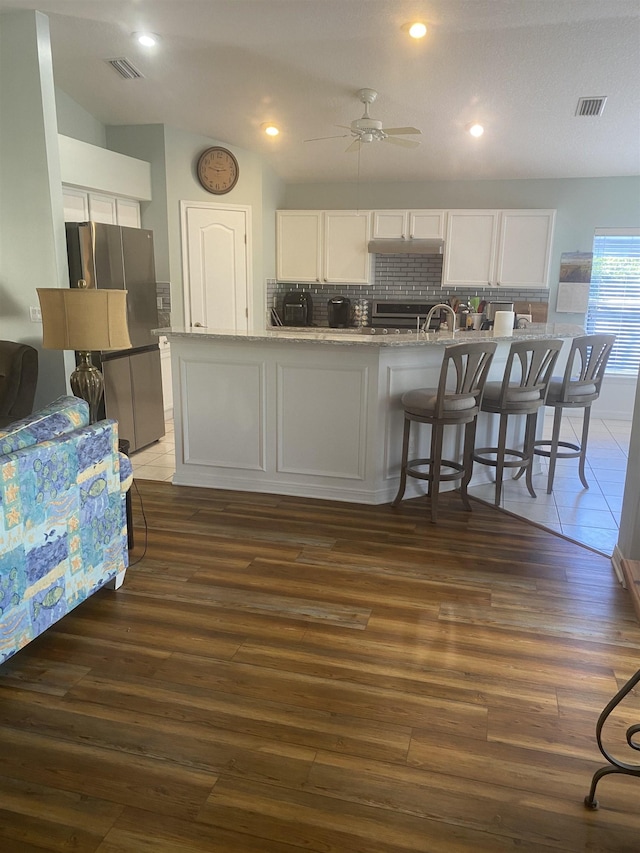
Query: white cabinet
x=524, y=253
x=408, y=224
x=76, y=205
x=128, y=212
x=165, y=367
x=323, y=246
x=299, y=241
x=470, y=248
x=81, y=206
x=498, y=248
x=102, y=208
x=346, y=257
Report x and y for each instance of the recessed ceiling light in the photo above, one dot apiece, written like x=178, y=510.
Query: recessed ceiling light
x=147, y=39
x=270, y=129
x=416, y=30
x=475, y=129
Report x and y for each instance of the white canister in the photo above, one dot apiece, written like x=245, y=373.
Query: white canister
x=503, y=324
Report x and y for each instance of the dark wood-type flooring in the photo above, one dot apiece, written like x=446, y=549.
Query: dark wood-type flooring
x=280, y=674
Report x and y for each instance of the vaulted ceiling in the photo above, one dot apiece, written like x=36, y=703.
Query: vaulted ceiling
x=225, y=67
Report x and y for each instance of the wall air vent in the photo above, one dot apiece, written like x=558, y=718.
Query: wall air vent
x=125, y=68
x=591, y=106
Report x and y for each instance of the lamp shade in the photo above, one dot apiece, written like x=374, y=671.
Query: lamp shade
x=84, y=319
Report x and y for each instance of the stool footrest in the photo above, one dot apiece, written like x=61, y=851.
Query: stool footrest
x=575, y=449
x=456, y=474
x=521, y=460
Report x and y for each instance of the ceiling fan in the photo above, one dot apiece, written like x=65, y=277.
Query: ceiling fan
x=367, y=129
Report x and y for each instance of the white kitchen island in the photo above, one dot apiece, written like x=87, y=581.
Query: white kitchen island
x=311, y=412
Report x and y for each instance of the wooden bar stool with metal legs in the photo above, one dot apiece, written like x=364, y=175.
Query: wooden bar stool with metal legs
x=534, y=361
x=455, y=401
x=576, y=389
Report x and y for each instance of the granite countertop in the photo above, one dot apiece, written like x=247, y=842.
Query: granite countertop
x=366, y=337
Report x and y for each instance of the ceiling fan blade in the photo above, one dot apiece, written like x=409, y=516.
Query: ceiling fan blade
x=394, y=131
x=316, y=138
x=355, y=146
x=406, y=143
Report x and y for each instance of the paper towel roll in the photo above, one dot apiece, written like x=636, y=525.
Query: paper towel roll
x=503, y=324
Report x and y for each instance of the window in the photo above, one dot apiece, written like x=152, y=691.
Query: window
x=614, y=295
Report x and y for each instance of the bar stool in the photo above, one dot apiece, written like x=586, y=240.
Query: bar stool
x=534, y=360
x=576, y=389
x=468, y=365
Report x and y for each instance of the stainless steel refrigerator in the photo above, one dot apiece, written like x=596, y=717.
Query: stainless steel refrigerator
x=112, y=256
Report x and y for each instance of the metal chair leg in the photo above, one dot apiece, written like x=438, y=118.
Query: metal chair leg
x=632, y=734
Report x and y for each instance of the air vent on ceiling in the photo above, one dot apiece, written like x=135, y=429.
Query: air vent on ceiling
x=125, y=68
x=591, y=106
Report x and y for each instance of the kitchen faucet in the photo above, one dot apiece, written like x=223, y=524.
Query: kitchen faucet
x=439, y=307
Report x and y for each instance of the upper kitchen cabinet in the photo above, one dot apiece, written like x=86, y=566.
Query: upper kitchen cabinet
x=470, y=248
x=323, y=246
x=498, y=248
x=83, y=206
x=524, y=248
x=408, y=224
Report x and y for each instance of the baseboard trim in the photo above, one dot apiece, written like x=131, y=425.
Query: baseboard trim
x=631, y=574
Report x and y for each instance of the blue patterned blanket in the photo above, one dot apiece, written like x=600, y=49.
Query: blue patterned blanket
x=63, y=531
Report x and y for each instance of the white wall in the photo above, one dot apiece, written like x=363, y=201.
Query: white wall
x=75, y=121
x=32, y=239
x=173, y=166
x=146, y=142
x=629, y=538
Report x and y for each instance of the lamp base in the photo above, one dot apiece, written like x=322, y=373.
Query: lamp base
x=87, y=383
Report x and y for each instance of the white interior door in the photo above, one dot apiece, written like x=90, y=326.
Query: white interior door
x=216, y=269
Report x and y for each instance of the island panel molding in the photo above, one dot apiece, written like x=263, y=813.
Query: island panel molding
x=335, y=436
x=222, y=402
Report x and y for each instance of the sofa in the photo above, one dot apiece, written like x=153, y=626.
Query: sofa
x=18, y=380
x=63, y=530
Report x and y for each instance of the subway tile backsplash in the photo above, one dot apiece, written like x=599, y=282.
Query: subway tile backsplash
x=163, y=294
x=410, y=277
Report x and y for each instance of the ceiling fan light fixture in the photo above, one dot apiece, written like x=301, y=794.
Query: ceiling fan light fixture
x=416, y=29
x=147, y=39
x=270, y=128
x=475, y=129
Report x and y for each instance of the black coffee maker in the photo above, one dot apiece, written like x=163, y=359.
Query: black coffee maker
x=339, y=312
x=297, y=308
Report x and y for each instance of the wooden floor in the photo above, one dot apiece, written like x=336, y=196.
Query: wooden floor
x=280, y=674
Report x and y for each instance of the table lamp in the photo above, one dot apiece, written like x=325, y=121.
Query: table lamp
x=85, y=320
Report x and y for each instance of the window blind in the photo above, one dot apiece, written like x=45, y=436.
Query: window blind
x=614, y=295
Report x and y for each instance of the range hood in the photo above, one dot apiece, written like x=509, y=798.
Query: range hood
x=393, y=246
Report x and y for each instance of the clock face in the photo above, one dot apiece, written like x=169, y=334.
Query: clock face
x=218, y=170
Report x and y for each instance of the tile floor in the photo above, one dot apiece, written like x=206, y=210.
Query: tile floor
x=590, y=516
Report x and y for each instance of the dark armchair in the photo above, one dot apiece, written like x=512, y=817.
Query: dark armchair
x=18, y=379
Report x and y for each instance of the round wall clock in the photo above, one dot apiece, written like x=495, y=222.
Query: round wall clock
x=217, y=170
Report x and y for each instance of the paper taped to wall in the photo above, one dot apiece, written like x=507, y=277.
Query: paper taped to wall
x=573, y=297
